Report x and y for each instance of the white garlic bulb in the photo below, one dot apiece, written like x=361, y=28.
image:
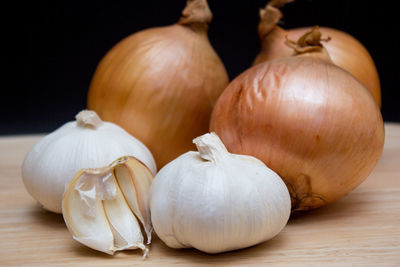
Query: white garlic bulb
x=87, y=142
x=216, y=201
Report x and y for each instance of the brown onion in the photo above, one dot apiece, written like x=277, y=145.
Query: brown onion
x=161, y=84
x=308, y=120
x=344, y=50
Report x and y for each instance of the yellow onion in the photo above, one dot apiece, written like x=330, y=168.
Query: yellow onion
x=161, y=84
x=345, y=50
x=308, y=120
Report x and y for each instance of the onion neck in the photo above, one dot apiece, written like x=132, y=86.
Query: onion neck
x=310, y=45
x=269, y=18
x=88, y=119
x=197, y=15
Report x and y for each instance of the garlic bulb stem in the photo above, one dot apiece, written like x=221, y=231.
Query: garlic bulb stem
x=210, y=147
x=88, y=119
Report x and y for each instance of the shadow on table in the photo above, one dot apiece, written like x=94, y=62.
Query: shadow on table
x=349, y=207
x=195, y=256
x=46, y=218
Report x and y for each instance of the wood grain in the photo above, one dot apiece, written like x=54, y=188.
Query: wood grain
x=362, y=229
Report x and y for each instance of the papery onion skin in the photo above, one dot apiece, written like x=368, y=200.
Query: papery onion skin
x=161, y=84
x=345, y=50
x=306, y=119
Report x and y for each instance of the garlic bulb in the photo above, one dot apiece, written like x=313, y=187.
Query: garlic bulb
x=100, y=206
x=85, y=143
x=216, y=201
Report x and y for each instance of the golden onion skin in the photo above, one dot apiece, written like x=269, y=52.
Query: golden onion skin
x=161, y=84
x=345, y=50
x=308, y=120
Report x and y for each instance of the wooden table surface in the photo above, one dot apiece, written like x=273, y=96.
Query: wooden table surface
x=359, y=230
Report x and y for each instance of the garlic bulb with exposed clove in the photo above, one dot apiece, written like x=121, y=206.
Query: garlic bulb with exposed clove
x=216, y=201
x=105, y=208
x=87, y=142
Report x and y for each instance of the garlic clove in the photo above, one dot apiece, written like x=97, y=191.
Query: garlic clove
x=124, y=225
x=100, y=206
x=84, y=214
x=135, y=181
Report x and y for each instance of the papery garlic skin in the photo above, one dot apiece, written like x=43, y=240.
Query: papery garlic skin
x=215, y=201
x=85, y=143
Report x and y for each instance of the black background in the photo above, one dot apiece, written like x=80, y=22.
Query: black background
x=53, y=47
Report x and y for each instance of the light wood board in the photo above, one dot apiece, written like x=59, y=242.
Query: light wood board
x=362, y=229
